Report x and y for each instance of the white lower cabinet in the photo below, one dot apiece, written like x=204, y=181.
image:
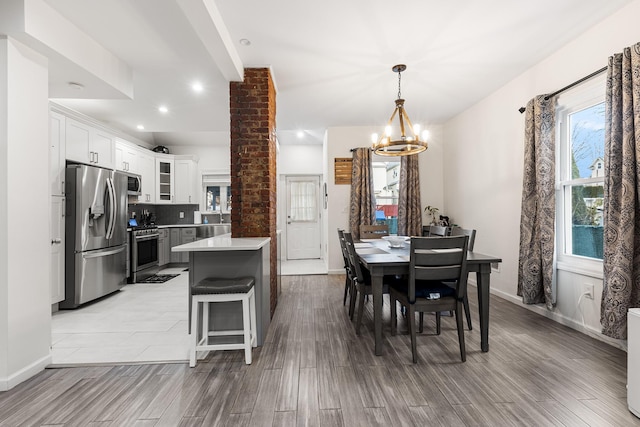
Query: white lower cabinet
x=56, y=227
x=180, y=236
x=164, y=247
x=175, y=241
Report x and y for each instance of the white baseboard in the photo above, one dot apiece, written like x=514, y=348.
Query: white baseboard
x=560, y=318
x=338, y=271
x=25, y=373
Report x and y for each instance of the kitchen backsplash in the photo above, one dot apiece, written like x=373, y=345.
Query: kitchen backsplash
x=164, y=214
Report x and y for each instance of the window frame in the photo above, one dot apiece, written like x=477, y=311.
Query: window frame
x=215, y=179
x=577, y=99
x=380, y=162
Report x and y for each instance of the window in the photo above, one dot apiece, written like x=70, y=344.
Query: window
x=580, y=177
x=386, y=179
x=217, y=193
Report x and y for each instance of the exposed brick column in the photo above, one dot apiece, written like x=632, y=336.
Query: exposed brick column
x=253, y=162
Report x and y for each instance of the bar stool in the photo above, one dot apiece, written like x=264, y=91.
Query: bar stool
x=213, y=289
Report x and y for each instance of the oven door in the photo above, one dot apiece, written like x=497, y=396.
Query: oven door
x=144, y=252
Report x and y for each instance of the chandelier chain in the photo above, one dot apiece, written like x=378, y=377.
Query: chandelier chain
x=399, y=79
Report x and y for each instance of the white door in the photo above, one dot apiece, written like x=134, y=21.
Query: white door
x=303, y=217
x=56, y=227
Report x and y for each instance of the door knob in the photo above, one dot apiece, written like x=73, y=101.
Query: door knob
x=56, y=241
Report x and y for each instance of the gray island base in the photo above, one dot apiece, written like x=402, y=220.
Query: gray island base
x=227, y=257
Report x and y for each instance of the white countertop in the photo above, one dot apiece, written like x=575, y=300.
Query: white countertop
x=191, y=225
x=223, y=243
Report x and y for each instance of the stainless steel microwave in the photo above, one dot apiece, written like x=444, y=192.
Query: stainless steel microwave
x=134, y=185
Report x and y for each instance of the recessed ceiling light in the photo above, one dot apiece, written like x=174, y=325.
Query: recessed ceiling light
x=76, y=86
x=163, y=109
x=197, y=87
x=140, y=127
x=245, y=42
x=300, y=134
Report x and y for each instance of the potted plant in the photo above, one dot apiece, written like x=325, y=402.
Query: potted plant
x=432, y=211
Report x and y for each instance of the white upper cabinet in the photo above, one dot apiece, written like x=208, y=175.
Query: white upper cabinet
x=175, y=179
x=147, y=170
x=185, y=182
x=57, y=154
x=164, y=179
x=86, y=144
x=126, y=157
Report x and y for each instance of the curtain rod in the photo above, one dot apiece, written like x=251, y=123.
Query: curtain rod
x=569, y=86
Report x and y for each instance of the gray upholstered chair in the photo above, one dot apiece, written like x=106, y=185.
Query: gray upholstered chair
x=433, y=261
x=438, y=231
x=361, y=280
x=457, y=231
x=348, y=284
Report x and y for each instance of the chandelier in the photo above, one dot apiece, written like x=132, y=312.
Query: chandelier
x=403, y=144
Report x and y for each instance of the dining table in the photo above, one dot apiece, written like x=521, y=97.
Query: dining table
x=377, y=256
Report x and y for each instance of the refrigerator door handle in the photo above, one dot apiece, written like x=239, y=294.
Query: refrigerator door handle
x=104, y=253
x=112, y=207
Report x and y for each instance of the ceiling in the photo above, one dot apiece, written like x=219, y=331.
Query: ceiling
x=331, y=60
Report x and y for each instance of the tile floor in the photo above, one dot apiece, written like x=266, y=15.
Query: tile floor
x=143, y=322
x=303, y=266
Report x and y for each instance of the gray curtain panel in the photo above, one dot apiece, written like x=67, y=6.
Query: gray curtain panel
x=409, y=209
x=362, y=208
x=537, y=217
x=621, y=264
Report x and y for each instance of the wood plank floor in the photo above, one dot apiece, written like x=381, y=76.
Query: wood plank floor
x=314, y=370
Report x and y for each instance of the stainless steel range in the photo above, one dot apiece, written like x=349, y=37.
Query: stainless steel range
x=143, y=253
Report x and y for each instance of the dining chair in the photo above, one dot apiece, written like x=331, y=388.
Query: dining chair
x=432, y=261
x=373, y=231
x=361, y=281
x=348, y=283
x=438, y=231
x=471, y=233
x=458, y=231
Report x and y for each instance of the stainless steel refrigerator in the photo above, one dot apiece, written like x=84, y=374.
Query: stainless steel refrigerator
x=96, y=233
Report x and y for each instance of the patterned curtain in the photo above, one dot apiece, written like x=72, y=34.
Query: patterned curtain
x=409, y=210
x=362, y=210
x=621, y=264
x=537, y=218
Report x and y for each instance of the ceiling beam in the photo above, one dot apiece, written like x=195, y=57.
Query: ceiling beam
x=208, y=24
x=37, y=25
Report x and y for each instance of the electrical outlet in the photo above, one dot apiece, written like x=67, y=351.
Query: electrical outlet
x=588, y=290
x=181, y=214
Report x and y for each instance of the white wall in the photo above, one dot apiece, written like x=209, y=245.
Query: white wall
x=215, y=157
x=300, y=160
x=297, y=160
x=25, y=306
x=340, y=141
x=432, y=172
x=483, y=162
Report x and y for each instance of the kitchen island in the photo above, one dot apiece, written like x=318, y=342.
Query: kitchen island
x=227, y=257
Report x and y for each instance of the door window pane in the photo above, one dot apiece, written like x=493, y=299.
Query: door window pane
x=303, y=201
